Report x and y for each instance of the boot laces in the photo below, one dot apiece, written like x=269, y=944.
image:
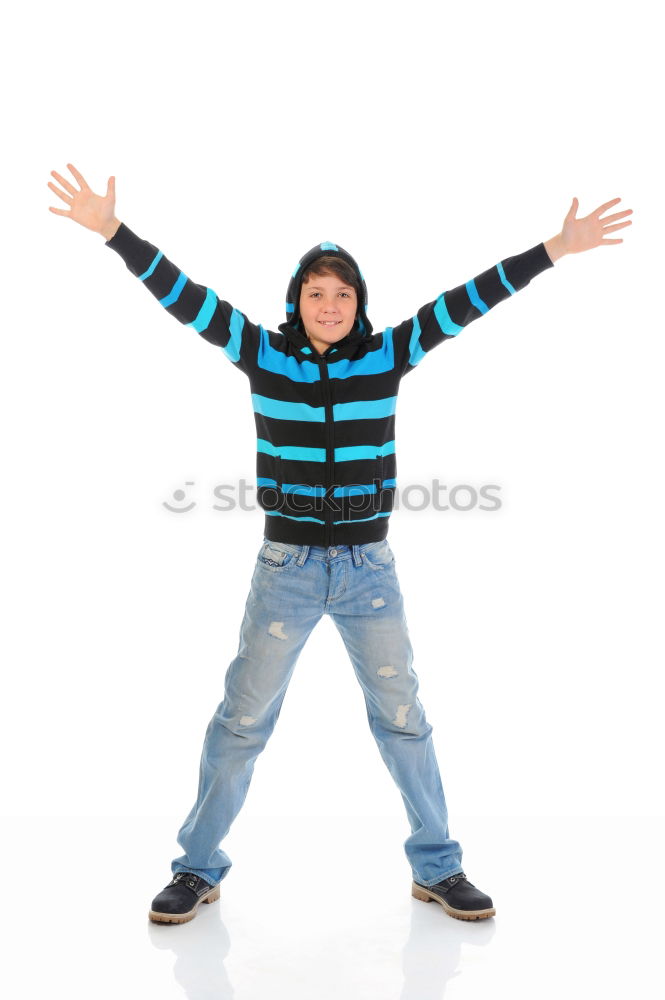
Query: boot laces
x=187, y=877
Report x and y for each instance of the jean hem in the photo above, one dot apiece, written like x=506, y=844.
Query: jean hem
x=194, y=871
x=439, y=878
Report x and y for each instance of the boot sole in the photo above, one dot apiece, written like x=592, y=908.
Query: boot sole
x=181, y=918
x=421, y=892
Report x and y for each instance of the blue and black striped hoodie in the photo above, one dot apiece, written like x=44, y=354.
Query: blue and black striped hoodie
x=325, y=423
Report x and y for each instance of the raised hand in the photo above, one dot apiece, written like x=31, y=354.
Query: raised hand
x=584, y=234
x=85, y=207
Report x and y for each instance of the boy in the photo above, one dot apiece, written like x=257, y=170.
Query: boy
x=324, y=391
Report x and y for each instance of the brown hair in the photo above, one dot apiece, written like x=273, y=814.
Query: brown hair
x=326, y=264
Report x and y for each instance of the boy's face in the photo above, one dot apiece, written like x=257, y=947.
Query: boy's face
x=328, y=308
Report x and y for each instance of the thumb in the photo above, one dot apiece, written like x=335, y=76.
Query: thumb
x=572, y=211
x=110, y=188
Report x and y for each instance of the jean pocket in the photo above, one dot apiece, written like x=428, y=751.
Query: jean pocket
x=274, y=557
x=378, y=555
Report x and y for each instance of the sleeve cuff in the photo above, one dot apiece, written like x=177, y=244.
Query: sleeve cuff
x=125, y=242
x=525, y=266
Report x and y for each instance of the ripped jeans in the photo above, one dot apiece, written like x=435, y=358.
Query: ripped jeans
x=293, y=586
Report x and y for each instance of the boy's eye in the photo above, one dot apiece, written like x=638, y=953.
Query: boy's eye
x=312, y=294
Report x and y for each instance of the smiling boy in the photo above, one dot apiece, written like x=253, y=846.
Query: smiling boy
x=328, y=310
x=324, y=391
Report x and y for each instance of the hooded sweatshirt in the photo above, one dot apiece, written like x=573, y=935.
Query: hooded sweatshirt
x=325, y=423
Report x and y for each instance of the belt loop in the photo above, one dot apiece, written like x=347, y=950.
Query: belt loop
x=303, y=555
x=357, y=558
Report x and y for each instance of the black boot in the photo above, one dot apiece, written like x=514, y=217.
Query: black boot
x=178, y=901
x=457, y=896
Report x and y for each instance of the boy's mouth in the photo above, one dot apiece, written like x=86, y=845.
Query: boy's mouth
x=334, y=322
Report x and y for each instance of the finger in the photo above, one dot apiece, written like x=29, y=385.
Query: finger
x=617, y=215
x=58, y=211
x=619, y=225
x=79, y=177
x=60, y=194
x=608, y=204
x=572, y=211
x=65, y=183
x=604, y=243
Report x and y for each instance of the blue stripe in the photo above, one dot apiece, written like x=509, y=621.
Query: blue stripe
x=146, y=274
x=354, y=491
x=352, y=520
x=278, y=513
x=328, y=246
x=301, y=454
x=291, y=452
x=475, y=298
x=443, y=317
x=358, y=451
x=232, y=349
x=310, y=491
x=290, y=307
x=374, y=362
x=263, y=481
x=416, y=352
x=280, y=409
x=365, y=409
x=504, y=279
x=275, y=361
x=205, y=313
x=174, y=294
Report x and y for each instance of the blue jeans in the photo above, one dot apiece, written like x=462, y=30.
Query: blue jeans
x=293, y=586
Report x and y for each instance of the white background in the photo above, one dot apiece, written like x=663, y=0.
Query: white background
x=431, y=141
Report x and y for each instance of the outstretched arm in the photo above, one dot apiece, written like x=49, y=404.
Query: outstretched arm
x=191, y=304
x=447, y=315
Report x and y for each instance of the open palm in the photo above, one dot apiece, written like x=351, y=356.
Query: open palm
x=85, y=207
x=584, y=234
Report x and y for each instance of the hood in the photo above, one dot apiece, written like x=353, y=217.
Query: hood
x=293, y=328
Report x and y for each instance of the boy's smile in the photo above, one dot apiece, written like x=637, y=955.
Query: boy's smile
x=328, y=309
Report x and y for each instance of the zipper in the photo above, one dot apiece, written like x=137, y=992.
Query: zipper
x=327, y=400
